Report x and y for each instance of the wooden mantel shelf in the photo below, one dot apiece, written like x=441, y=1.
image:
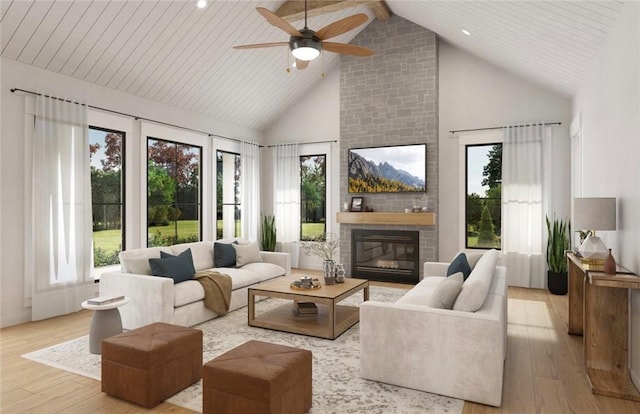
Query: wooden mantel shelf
x=387, y=217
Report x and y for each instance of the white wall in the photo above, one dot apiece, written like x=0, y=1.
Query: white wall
x=315, y=118
x=12, y=165
x=609, y=103
x=476, y=94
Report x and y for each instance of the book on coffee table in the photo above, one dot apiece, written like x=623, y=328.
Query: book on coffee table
x=104, y=300
x=307, y=307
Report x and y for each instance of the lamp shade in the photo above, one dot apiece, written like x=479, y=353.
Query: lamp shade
x=594, y=213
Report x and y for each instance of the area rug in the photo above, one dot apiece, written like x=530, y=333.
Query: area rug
x=337, y=386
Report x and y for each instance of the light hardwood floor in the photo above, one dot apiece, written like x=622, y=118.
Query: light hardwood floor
x=544, y=371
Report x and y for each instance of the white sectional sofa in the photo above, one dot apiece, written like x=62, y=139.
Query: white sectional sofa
x=158, y=299
x=450, y=352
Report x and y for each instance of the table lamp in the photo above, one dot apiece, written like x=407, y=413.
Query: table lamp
x=594, y=214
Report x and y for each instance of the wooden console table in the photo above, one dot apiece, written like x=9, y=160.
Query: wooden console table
x=599, y=308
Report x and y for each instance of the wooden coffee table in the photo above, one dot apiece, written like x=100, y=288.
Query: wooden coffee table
x=330, y=322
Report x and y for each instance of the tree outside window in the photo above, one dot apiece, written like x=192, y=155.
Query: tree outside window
x=313, y=180
x=483, y=196
x=107, y=194
x=173, y=192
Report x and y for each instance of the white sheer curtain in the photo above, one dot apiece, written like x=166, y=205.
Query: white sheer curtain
x=250, y=188
x=524, y=203
x=287, y=198
x=59, y=225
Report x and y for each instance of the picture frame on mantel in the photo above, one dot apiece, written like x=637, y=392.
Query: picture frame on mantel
x=357, y=204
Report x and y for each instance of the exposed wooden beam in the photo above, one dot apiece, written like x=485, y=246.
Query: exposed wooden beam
x=293, y=10
x=381, y=10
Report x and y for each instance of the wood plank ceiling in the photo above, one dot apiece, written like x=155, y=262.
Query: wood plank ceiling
x=176, y=54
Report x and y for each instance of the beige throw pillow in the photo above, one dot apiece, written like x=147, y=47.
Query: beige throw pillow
x=446, y=291
x=247, y=253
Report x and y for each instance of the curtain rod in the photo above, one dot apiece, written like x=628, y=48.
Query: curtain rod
x=500, y=127
x=312, y=142
x=137, y=118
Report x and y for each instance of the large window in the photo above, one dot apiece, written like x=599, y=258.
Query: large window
x=106, y=153
x=313, y=196
x=227, y=195
x=483, y=195
x=173, y=192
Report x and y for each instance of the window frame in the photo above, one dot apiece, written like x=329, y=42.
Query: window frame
x=201, y=160
x=237, y=230
x=326, y=160
x=123, y=186
x=475, y=138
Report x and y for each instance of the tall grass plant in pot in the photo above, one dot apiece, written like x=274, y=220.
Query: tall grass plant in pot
x=268, y=235
x=558, y=243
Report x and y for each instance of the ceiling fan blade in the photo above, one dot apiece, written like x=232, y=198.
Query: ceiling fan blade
x=277, y=21
x=302, y=64
x=346, y=49
x=341, y=26
x=260, y=45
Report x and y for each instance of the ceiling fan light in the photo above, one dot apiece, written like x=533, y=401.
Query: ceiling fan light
x=305, y=48
x=305, y=53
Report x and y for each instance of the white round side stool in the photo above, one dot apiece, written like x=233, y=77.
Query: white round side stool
x=106, y=322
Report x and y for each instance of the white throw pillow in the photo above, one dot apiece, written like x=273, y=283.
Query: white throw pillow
x=446, y=291
x=247, y=253
x=137, y=260
x=475, y=288
x=473, y=258
x=202, y=253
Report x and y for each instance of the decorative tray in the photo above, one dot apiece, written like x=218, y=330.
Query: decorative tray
x=315, y=284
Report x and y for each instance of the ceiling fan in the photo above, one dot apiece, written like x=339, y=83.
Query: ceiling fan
x=306, y=44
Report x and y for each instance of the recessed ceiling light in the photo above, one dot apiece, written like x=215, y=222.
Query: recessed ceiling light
x=201, y=4
x=465, y=31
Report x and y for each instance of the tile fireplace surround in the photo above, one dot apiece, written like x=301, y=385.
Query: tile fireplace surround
x=378, y=109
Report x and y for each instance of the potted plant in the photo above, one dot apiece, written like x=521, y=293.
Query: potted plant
x=325, y=248
x=268, y=235
x=557, y=244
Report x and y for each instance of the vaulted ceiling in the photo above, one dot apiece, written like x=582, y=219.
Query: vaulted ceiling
x=179, y=55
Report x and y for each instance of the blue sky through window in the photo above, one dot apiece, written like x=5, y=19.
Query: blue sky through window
x=477, y=158
x=97, y=137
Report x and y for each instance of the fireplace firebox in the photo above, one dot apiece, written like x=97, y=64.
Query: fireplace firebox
x=385, y=255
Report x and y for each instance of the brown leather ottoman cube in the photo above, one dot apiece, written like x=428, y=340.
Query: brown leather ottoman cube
x=258, y=378
x=149, y=364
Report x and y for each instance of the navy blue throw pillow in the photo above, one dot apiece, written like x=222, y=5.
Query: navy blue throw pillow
x=224, y=255
x=460, y=264
x=179, y=268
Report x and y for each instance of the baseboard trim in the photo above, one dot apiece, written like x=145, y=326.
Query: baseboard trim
x=635, y=378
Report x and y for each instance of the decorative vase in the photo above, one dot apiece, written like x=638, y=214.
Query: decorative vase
x=610, y=264
x=557, y=282
x=340, y=273
x=329, y=272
